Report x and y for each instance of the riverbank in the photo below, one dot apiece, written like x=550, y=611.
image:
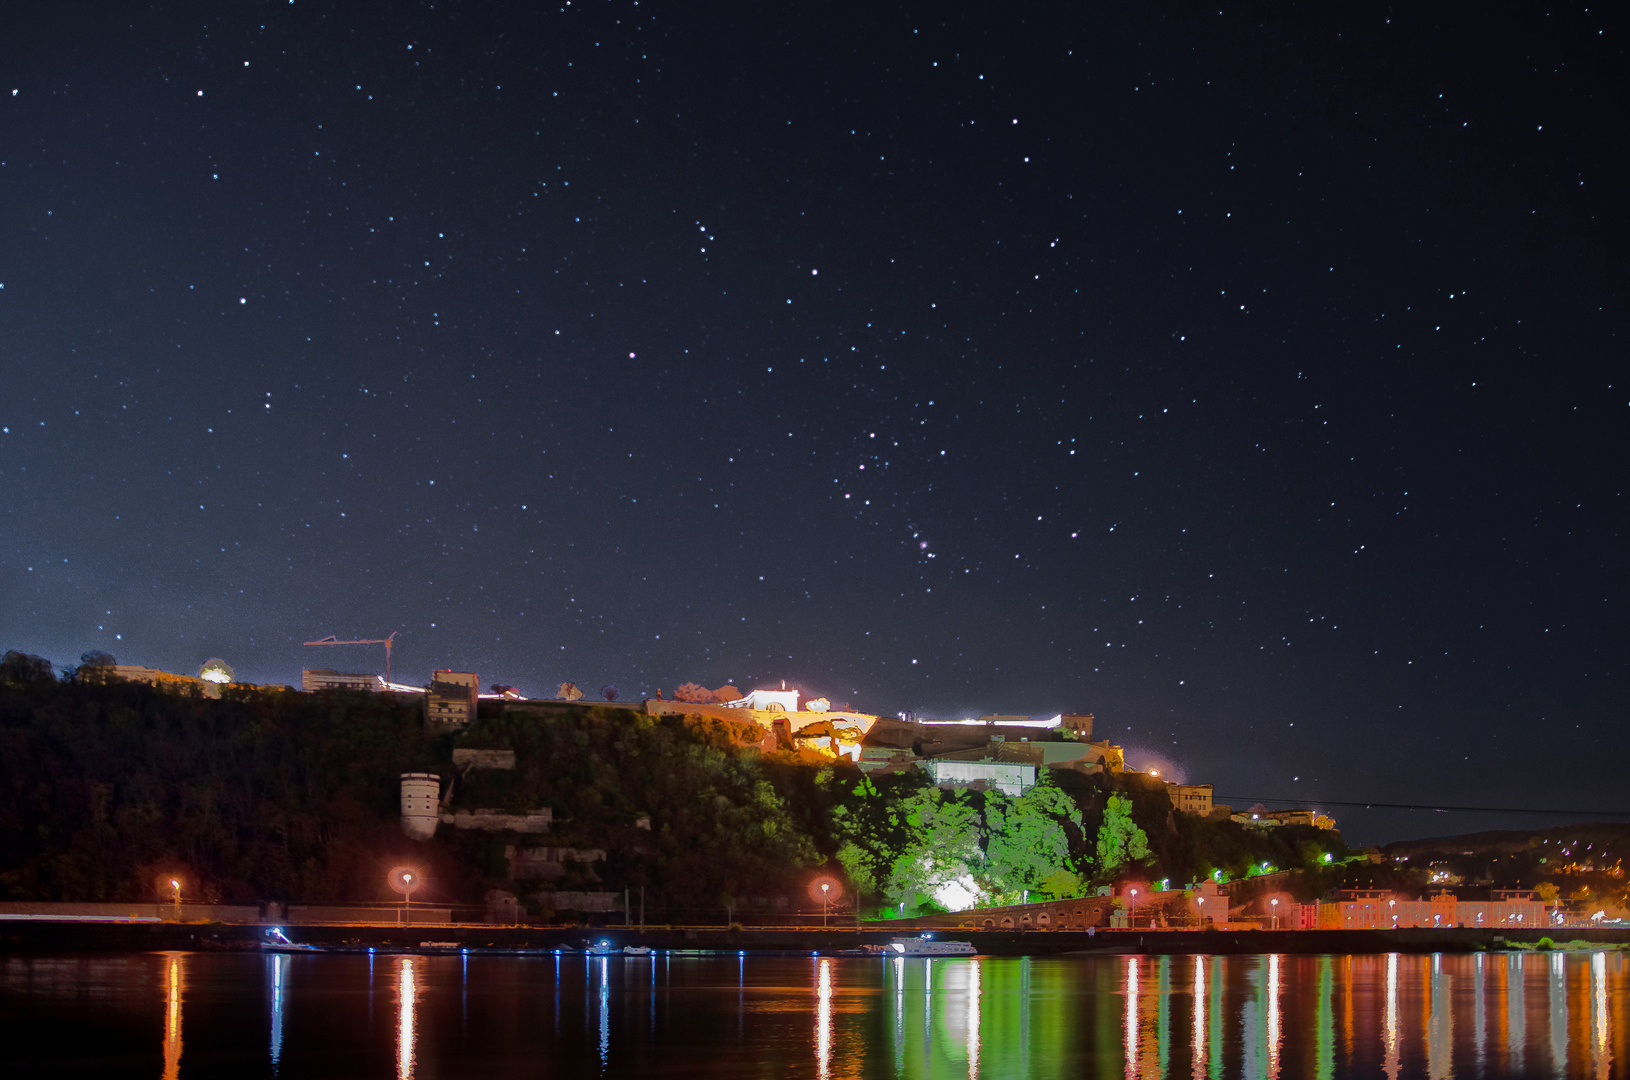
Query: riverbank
x=79, y=936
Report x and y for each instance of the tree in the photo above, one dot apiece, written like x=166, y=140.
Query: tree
x=692, y=693
x=21, y=667
x=726, y=693
x=610, y=692
x=97, y=658
x=1120, y=841
x=568, y=692
x=1027, y=846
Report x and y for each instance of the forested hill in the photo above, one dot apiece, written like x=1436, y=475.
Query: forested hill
x=259, y=796
x=274, y=795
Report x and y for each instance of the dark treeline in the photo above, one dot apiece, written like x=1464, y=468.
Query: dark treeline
x=259, y=796
x=105, y=790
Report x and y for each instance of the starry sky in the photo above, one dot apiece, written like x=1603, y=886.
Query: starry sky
x=1249, y=377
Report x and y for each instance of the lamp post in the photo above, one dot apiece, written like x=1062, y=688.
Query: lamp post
x=1275, y=903
x=825, y=889
x=404, y=879
x=175, y=892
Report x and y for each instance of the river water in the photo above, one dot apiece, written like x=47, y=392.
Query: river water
x=387, y=1015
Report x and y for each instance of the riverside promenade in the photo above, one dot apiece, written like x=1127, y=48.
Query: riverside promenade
x=82, y=934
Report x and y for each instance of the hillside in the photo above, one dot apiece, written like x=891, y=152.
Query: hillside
x=1582, y=862
x=272, y=795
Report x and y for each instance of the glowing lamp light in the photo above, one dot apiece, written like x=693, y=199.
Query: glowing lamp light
x=404, y=879
x=216, y=670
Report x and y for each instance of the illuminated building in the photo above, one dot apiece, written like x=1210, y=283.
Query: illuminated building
x=312, y=679
x=782, y=700
x=1376, y=909
x=1010, y=778
x=1078, y=724
x=1268, y=819
x=1191, y=798
x=452, y=698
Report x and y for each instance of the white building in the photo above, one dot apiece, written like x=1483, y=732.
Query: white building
x=1007, y=777
x=768, y=700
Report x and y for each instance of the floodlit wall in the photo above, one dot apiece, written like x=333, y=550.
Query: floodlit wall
x=1393, y=913
x=483, y=759
x=536, y=821
x=31, y=911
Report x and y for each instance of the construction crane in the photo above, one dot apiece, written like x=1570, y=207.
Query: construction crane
x=385, y=641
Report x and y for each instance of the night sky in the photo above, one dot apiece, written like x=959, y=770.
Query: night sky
x=1249, y=377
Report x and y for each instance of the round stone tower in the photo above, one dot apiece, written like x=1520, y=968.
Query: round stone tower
x=421, y=796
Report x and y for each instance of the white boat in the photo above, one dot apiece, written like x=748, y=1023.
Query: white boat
x=636, y=950
x=927, y=946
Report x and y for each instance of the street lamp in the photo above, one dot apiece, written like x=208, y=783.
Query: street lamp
x=175, y=891
x=404, y=879
x=1275, y=903
x=826, y=888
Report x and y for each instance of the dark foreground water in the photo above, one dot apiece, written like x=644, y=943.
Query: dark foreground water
x=209, y=1014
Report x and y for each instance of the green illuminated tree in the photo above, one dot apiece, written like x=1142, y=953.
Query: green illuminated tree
x=1120, y=842
x=1027, y=845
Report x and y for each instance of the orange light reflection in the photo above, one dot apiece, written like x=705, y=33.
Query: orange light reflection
x=175, y=975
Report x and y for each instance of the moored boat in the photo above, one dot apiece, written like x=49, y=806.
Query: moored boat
x=925, y=945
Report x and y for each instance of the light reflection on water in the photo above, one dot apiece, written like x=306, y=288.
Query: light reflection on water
x=1258, y=1017
x=277, y=968
x=175, y=985
x=407, y=1026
